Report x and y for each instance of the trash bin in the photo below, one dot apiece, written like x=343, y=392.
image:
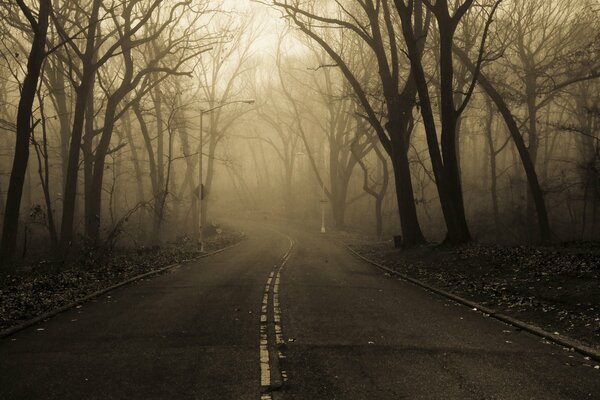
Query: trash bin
x=398, y=241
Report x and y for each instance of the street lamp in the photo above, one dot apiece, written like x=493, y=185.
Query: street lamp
x=200, y=172
x=323, y=202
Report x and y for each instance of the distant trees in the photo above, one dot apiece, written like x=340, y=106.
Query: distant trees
x=222, y=77
x=286, y=142
x=373, y=28
x=375, y=179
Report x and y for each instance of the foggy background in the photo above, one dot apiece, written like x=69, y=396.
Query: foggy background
x=284, y=131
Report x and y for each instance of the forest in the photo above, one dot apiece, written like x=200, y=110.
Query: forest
x=431, y=122
x=427, y=172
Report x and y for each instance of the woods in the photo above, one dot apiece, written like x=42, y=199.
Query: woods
x=303, y=199
x=445, y=121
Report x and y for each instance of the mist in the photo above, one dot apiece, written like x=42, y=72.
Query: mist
x=147, y=133
x=288, y=130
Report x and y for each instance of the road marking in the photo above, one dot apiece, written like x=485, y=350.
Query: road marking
x=266, y=344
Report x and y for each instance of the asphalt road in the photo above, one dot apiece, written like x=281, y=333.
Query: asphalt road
x=255, y=322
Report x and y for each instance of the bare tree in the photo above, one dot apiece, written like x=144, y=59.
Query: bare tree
x=373, y=27
x=445, y=163
x=221, y=81
x=24, y=126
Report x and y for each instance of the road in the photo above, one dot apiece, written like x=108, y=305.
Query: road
x=259, y=321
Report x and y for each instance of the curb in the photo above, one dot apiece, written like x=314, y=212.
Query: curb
x=556, y=339
x=10, y=331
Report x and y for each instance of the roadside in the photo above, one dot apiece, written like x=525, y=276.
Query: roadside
x=555, y=288
x=43, y=288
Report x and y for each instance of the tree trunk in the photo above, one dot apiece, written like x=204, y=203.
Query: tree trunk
x=135, y=158
x=493, y=167
x=82, y=97
x=87, y=148
x=154, y=177
x=411, y=230
x=534, y=185
x=44, y=174
x=288, y=196
x=36, y=58
x=444, y=163
x=379, y=217
x=532, y=147
x=191, y=162
x=95, y=205
x=58, y=93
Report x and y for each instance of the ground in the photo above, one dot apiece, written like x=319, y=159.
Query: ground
x=554, y=287
x=44, y=287
x=261, y=321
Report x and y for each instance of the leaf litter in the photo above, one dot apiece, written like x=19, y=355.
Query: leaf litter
x=41, y=288
x=555, y=287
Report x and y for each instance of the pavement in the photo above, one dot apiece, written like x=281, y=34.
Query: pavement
x=261, y=321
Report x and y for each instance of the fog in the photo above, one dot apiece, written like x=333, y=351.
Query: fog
x=448, y=123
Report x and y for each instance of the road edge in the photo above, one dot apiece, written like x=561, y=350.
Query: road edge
x=535, y=330
x=10, y=331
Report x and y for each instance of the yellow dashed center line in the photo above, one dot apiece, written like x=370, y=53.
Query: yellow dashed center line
x=265, y=345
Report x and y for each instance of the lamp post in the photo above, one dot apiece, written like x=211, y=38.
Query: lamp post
x=323, y=194
x=201, y=193
x=323, y=202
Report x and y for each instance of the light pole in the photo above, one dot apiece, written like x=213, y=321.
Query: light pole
x=201, y=193
x=323, y=202
x=323, y=194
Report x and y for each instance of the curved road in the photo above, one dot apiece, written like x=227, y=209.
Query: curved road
x=255, y=322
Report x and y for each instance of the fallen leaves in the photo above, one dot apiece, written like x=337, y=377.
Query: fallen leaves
x=40, y=290
x=554, y=287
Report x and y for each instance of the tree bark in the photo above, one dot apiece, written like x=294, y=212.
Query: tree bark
x=445, y=163
x=411, y=230
x=82, y=97
x=35, y=60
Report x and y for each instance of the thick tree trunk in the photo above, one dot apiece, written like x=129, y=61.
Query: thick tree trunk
x=532, y=147
x=454, y=211
x=87, y=148
x=338, y=211
x=445, y=163
x=379, y=216
x=339, y=187
x=411, y=230
x=95, y=201
x=82, y=93
x=37, y=54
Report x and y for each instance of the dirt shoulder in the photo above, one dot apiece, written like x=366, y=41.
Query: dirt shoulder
x=44, y=288
x=555, y=288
